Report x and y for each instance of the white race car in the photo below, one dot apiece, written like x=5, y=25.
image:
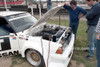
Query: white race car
x=42, y=44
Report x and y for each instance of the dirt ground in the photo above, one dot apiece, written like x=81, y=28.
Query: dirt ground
x=7, y=62
x=10, y=62
x=73, y=64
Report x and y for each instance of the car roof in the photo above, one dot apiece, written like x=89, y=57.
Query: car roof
x=7, y=13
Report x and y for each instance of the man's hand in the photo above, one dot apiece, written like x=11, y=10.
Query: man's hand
x=66, y=4
x=98, y=36
x=80, y=16
x=60, y=4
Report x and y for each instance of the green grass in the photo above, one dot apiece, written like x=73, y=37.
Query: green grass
x=17, y=60
x=78, y=56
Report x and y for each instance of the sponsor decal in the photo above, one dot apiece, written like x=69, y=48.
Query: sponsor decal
x=14, y=38
x=9, y=53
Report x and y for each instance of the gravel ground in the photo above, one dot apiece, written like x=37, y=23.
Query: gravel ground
x=5, y=61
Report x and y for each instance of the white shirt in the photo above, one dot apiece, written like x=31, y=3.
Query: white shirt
x=98, y=27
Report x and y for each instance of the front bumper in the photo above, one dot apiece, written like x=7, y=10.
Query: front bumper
x=62, y=60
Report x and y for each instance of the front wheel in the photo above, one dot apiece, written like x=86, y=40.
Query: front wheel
x=34, y=58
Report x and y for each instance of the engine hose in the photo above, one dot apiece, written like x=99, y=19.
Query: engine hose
x=50, y=36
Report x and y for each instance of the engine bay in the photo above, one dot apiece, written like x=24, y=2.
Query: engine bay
x=54, y=32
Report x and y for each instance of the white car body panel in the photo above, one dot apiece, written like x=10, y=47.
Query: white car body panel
x=57, y=60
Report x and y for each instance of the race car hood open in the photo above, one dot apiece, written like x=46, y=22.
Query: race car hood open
x=46, y=16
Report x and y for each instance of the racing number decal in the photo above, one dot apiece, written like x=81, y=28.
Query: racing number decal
x=1, y=41
x=5, y=43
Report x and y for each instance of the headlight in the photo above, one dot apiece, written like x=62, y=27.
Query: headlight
x=59, y=51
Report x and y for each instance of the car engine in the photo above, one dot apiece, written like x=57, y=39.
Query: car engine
x=52, y=32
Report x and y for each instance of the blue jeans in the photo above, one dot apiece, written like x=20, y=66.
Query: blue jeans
x=98, y=63
x=98, y=52
x=74, y=27
x=91, y=39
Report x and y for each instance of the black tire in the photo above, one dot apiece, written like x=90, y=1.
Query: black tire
x=34, y=58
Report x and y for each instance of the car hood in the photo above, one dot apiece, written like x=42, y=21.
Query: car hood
x=46, y=16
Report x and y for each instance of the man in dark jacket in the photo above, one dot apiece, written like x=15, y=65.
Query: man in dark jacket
x=74, y=13
x=92, y=20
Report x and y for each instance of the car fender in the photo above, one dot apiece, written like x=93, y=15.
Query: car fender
x=31, y=45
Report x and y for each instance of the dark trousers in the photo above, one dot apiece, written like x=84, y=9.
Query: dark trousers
x=74, y=27
x=98, y=52
x=98, y=63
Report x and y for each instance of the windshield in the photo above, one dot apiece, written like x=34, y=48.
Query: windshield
x=22, y=23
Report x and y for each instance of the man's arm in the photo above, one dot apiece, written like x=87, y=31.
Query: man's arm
x=92, y=13
x=81, y=15
x=98, y=36
x=66, y=6
x=83, y=12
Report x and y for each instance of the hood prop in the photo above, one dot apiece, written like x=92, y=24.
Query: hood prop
x=59, y=19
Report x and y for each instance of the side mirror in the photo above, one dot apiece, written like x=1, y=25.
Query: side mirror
x=12, y=34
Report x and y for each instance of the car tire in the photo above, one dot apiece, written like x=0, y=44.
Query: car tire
x=35, y=58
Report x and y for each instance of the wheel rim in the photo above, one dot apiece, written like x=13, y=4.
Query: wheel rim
x=34, y=58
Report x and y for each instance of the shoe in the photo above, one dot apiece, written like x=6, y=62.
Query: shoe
x=88, y=57
x=86, y=51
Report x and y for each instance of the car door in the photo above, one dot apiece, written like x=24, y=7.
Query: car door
x=4, y=40
x=8, y=43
